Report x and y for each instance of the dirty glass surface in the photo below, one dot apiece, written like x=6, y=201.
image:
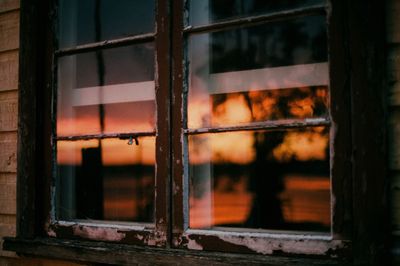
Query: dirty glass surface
x=265, y=72
x=261, y=180
x=107, y=91
x=276, y=71
x=202, y=12
x=88, y=21
x=106, y=180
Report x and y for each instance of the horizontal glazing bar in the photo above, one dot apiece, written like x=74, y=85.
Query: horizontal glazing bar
x=106, y=44
x=107, y=136
x=271, y=125
x=316, y=9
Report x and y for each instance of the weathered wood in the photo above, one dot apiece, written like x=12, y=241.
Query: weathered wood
x=7, y=230
x=9, y=71
x=368, y=88
x=8, y=178
x=163, y=101
x=392, y=22
x=393, y=63
x=8, y=5
x=394, y=139
x=394, y=93
x=265, y=125
x=247, y=21
x=17, y=261
x=8, y=219
x=148, y=37
x=131, y=255
x=340, y=134
x=32, y=86
x=395, y=199
x=8, y=154
x=8, y=111
x=133, y=135
x=9, y=33
x=8, y=199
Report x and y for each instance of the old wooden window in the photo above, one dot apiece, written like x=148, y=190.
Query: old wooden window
x=255, y=144
x=215, y=125
x=253, y=138
x=107, y=97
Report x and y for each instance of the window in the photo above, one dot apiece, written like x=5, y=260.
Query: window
x=107, y=86
x=256, y=133
x=197, y=127
x=252, y=133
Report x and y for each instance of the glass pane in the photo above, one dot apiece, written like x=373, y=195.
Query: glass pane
x=257, y=179
x=108, y=91
x=87, y=21
x=106, y=180
x=273, y=71
x=202, y=12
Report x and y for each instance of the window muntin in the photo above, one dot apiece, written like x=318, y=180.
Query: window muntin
x=208, y=12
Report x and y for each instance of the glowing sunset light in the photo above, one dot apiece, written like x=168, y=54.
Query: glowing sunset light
x=302, y=108
x=235, y=147
x=234, y=110
x=124, y=117
x=303, y=146
x=199, y=113
x=114, y=151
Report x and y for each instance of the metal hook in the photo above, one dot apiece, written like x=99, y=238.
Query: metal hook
x=130, y=142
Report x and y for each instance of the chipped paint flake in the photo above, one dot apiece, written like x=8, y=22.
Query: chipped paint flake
x=192, y=244
x=98, y=233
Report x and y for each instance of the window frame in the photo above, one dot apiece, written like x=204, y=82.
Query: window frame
x=361, y=160
x=134, y=233
x=264, y=242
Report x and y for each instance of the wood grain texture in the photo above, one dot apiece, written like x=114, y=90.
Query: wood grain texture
x=9, y=70
x=8, y=111
x=8, y=154
x=8, y=5
x=9, y=31
x=15, y=261
x=392, y=22
x=7, y=230
x=395, y=199
x=8, y=178
x=393, y=64
x=117, y=254
x=394, y=139
x=367, y=43
x=8, y=199
x=394, y=94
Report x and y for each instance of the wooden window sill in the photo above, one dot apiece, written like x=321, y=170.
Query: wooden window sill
x=120, y=254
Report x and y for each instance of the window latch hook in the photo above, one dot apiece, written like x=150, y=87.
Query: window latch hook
x=130, y=142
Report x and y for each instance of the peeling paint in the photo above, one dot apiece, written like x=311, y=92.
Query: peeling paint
x=263, y=244
x=290, y=246
x=51, y=233
x=140, y=237
x=192, y=244
x=98, y=233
